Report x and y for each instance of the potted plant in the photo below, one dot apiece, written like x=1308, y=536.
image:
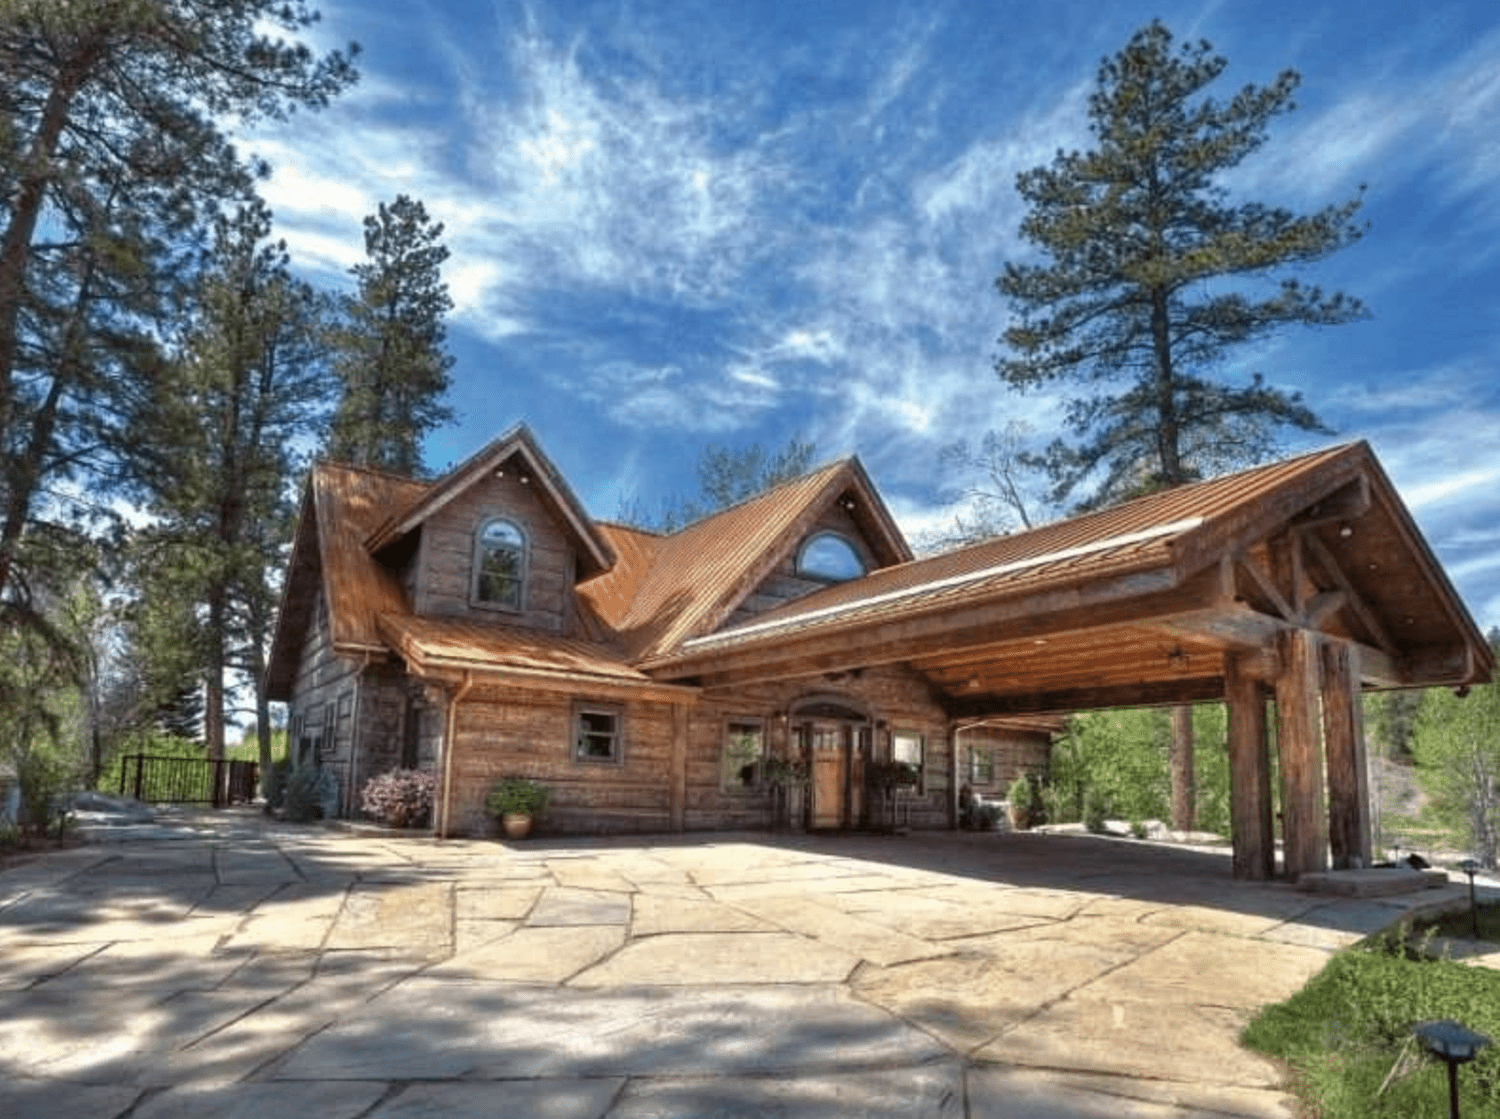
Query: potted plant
x=515, y=802
x=1024, y=796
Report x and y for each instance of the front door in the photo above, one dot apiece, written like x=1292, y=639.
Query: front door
x=837, y=752
x=830, y=774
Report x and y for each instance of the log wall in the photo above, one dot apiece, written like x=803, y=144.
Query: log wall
x=784, y=583
x=446, y=556
x=1011, y=754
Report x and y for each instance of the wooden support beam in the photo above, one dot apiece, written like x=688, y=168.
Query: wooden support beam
x=1267, y=585
x=1344, y=740
x=1300, y=744
x=1202, y=689
x=1331, y=568
x=1252, y=830
x=1347, y=503
x=677, y=794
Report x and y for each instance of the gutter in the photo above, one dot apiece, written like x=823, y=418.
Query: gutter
x=449, y=741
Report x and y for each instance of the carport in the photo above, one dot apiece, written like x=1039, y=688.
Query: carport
x=1284, y=591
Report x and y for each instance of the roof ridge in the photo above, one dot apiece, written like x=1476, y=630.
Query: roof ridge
x=376, y=470
x=762, y=494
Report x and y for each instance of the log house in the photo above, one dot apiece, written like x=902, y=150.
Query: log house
x=485, y=625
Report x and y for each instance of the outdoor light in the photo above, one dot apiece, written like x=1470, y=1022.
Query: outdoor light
x=1456, y=1044
x=1469, y=866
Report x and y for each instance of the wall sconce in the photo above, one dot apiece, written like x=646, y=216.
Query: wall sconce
x=1178, y=660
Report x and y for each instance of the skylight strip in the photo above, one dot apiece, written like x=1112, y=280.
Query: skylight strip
x=1185, y=525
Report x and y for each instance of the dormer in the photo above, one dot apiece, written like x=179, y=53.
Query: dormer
x=499, y=539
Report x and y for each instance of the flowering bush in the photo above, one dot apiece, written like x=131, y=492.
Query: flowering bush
x=401, y=798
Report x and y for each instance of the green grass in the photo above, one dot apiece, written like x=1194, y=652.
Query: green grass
x=1349, y=1026
x=1460, y=924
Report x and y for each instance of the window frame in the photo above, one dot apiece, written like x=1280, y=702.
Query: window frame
x=615, y=711
x=807, y=545
x=732, y=784
x=921, y=740
x=975, y=753
x=481, y=551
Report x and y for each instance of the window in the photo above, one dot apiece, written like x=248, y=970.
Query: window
x=500, y=565
x=907, y=746
x=830, y=557
x=981, y=767
x=596, y=733
x=744, y=747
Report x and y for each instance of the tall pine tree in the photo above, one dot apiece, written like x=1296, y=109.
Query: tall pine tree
x=251, y=387
x=1152, y=276
x=110, y=155
x=392, y=358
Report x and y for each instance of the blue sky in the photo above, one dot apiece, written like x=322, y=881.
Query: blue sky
x=675, y=224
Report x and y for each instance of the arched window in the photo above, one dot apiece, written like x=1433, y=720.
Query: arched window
x=828, y=556
x=500, y=565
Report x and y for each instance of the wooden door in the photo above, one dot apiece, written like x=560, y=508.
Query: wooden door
x=830, y=774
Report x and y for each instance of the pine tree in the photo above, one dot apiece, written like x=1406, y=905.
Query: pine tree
x=1146, y=286
x=391, y=356
x=251, y=384
x=110, y=156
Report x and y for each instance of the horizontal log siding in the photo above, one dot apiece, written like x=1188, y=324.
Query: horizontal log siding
x=1012, y=753
x=784, y=584
x=447, y=557
x=529, y=734
x=897, y=697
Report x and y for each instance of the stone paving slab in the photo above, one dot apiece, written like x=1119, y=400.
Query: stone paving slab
x=328, y=1100
x=490, y=1030
x=504, y=1099
x=931, y=1092
x=681, y=959
x=564, y=905
x=235, y=966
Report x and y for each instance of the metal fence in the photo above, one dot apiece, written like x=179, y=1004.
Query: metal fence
x=167, y=780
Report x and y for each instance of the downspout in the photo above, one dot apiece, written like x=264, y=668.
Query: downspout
x=449, y=741
x=359, y=706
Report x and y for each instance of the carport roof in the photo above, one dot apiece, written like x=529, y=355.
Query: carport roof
x=1136, y=603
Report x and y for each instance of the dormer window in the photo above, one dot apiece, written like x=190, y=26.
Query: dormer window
x=829, y=557
x=500, y=565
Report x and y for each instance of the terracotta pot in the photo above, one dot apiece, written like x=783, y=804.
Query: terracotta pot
x=1020, y=818
x=516, y=826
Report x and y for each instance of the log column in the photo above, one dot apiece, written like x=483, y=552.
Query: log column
x=1344, y=740
x=953, y=776
x=1300, y=745
x=677, y=795
x=1254, y=836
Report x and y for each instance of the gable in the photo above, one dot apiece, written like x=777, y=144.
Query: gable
x=702, y=574
x=516, y=455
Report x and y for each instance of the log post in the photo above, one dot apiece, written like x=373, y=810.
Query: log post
x=1184, y=793
x=1344, y=740
x=953, y=733
x=677, y=796
x=1251, y=827
x=1300, y=744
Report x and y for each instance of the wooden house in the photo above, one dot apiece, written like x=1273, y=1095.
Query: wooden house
x=484, y=625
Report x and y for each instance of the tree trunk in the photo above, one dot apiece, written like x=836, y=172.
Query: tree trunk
x=1183, y=792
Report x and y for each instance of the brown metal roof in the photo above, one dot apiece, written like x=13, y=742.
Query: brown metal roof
x=1136, y=535
x=698, y=575
x=350, y=502
x=431, y=644
x=1154, y=542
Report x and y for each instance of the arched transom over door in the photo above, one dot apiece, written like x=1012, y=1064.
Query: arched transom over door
x=833, y=733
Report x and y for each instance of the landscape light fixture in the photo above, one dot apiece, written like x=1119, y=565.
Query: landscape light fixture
x=1456, y=1044
x=1469, y=866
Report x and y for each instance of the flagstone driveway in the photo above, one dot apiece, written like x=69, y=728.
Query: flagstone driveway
x=221, y=965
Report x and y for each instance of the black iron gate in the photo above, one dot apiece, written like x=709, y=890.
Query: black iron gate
x=166, y=780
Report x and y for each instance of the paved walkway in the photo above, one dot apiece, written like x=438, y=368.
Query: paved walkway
x=224, y=966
